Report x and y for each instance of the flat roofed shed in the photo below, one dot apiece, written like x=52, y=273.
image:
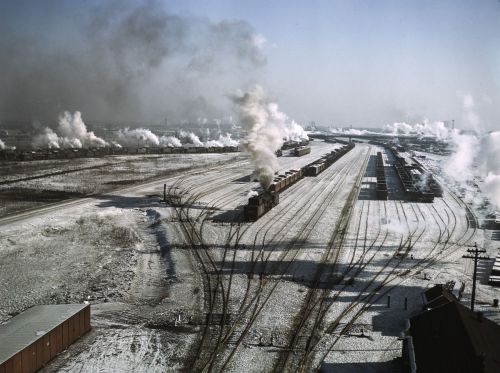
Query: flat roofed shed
x=35, y=336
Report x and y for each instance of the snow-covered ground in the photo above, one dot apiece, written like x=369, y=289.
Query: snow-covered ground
x=306, y=285
x=26, y=185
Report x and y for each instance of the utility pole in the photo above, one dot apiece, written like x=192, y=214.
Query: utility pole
x=475, y=256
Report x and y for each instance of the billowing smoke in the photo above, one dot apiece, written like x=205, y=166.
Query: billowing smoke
x=191, y=138
x=2, y=145
x=121, y=60
x=489, y=166
x=70, y=133
x=137, y=138
x=426, y=128
x=483, y=151
x=294, y=131
x=459, y=165
x=266, y=127
x=350, y=131
x=142, y=137
x=46, y=139
x=224, y=140
x=170, y=141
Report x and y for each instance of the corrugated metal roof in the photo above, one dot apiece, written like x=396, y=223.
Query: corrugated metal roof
x=29, y=326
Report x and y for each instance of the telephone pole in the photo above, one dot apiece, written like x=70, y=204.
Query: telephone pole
x=476, y=257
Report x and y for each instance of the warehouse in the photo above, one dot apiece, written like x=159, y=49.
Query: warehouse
x=31, y=339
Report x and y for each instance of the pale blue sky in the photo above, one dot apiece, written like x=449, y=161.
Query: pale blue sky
x=374, y=61
x=365, y=63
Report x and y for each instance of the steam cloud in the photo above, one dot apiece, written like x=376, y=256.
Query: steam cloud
x=459, y=165
x=71, y=133
x=426, y=128
x=267, y=127
x=484, y=151
x=122, y=60
x=192, y=138
x=224, y=140
x=2, y=145
x=144, y=137
x=489, y=157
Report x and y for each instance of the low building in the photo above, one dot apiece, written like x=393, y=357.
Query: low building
x=31, y=339
x=451, y=338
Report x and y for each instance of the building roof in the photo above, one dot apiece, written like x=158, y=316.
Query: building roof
x=437, y=296
x=26, y=328
x=452, y=338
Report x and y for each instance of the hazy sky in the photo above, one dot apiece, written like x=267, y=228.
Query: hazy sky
x=365, y=63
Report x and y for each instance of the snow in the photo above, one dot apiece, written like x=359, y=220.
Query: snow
x=127, y=254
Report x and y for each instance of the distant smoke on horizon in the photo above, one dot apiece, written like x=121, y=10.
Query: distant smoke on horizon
x=436, y=129
x=70, y=133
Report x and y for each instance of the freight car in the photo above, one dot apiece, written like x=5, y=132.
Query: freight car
x=44, y=154
x=318, y=166
x=381, y=187
x=281, y=182
x=260, y=204
x=299, y=151
x=263, y=202
x=416, y=182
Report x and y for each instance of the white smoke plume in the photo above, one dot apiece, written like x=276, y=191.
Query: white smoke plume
x=265, y=125
x=225, y=140
x=492, y=189
x=193, y=139
x=71, y=133
x=489, y=166
x=294, y=132
x=72, y=128
x=137, y=138
x=140, y=137
x=459, y=165
x=426, y=128
x=2, y=145
x=46, y=139
x=170, y=141
x=350, y=131
x=483, y=151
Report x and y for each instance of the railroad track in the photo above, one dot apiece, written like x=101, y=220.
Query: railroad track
x=330, y=257
x=252, y=305
x=424, y=262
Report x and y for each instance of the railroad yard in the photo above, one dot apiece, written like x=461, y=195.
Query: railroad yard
x=179, y=280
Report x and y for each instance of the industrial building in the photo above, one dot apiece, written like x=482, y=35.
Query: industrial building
x=31, y=339
x=449, y=337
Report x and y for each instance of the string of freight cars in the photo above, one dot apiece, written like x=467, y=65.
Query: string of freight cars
x=41, y=154
x=266, y=199
x=418, y=184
